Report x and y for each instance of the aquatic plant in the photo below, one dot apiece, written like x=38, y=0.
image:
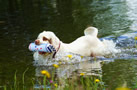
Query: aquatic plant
x=97, y=80
x=15, y=81
x=135, y=42
x=82, y=74
x=60, y=62
x=55, y=65
x=55, y=85
x=46, y=73
x=49, y=81
x=135, y=38
x=83, y=82
x=82, y=57
x=123, y=88
x=69, y=56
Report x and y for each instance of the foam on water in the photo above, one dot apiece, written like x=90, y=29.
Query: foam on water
x=62, y=58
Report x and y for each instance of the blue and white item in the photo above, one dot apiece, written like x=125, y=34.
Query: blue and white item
x=42, y=48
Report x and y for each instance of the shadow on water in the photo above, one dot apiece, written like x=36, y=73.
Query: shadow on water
x=22, y=20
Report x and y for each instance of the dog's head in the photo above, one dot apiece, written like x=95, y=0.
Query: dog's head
x=47, y=37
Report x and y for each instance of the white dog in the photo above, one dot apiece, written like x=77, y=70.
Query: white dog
x=87, y=45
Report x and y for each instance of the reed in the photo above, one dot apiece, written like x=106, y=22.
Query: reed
x=15, y=81
x=81, y=82
x=23, y=77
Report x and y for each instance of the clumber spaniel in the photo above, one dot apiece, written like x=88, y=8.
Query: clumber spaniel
x=87, y=45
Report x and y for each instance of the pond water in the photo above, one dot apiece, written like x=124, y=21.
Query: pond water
x=22, y=20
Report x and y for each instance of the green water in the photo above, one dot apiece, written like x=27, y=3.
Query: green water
x=22, y=20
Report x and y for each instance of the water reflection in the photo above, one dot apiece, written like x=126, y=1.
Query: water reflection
x=70, y=71
x=87, y=67
x=120, y=72
x=115, y=73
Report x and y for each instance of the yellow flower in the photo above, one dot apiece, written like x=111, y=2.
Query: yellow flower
x=82, y=74
x=44, y=72
x=60, y=62
x=81, y=56
x=55, y=65
x=135, y=38
x=70, y=56
x=97, y=80
x=55, y=85
x=123, y=88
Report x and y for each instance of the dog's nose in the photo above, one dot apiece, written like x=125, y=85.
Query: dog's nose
x=37, y=42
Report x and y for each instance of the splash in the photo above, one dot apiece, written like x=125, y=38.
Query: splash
x=62, y=58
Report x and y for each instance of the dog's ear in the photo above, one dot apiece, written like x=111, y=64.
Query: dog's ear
x=54, y=40
x=50, y=41
x=91, y=31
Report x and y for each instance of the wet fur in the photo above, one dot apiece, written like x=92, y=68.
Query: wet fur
x=87, y=45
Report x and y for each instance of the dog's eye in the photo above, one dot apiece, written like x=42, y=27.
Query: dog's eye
x=45, y=39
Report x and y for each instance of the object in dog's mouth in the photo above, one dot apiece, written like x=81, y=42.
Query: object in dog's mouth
x=42, y=53
x=42, y=48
